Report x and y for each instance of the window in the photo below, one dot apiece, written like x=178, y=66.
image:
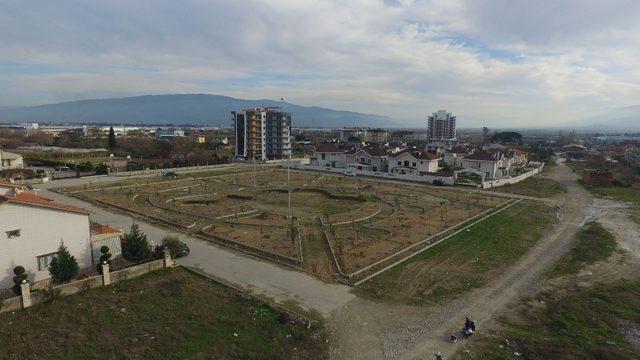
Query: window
x=399, y=163
x=406, y=163
x=44, y=261
x=13, y=234
x=413, y=164
x=323, y=156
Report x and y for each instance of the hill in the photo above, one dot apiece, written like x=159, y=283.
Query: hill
x=193, y=109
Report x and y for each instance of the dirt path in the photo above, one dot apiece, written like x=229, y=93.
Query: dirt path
x=367, y=330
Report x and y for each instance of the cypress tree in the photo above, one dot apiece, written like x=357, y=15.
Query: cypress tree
x=135, y=246
x=63, y=266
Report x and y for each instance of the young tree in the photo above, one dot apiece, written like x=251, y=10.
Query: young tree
x=112, y=139
x=135, y=246
x=63, y=266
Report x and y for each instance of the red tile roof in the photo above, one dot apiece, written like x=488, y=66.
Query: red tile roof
x=35, y=200
x=104, y=229
x=481, y=155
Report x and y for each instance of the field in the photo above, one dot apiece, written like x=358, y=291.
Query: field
x=538, y=186
x=593, y=317
x=466, y=261
x=365, y=221
x=166, y=312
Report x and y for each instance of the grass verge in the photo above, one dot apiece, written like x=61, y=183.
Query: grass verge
x=535, y=186
x=593, y=243
x=465, y=261
x=165, y=314
x=585, y=323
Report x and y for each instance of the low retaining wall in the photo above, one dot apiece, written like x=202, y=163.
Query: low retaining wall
x=40, y=294
x=428, y=179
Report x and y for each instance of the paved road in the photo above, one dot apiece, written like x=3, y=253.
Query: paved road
x=284, y=285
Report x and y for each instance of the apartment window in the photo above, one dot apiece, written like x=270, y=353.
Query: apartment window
x=13, y=234
x=413, y=164
x=362, y=159
x=323, y=156
x=44, y=261
x=406, y=163
x=399, y=163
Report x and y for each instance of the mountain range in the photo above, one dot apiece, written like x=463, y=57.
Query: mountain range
x=187, y=109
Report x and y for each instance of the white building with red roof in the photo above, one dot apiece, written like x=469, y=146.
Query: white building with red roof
x=31, y=229
x=413, y=162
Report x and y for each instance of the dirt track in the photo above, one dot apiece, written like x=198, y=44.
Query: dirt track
x=367, y=330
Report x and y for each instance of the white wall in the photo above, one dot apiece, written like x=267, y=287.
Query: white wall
x=40, y=233
x=339, y=159
x=421, y=165
x=424, y=178
x=511, y=180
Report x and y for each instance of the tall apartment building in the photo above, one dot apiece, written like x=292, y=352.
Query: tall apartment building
x=262, y=133
x=441, y=126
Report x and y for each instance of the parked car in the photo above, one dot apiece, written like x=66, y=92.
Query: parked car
x=61, y=168
x=176, y=247
x=350, y=172
x=438, y=182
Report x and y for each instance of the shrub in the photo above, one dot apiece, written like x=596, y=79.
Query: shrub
x=173, y=244
x=64, y=266
x=135, y=246
x=20, y=275
x=105, y=256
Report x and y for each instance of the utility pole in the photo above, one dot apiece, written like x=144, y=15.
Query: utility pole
x=289, y=186
x=255, y=184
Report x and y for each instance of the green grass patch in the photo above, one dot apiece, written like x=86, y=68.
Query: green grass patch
x=593, y=243
x=583, y=324
x=535, y=186
x=465, y=261
x=630, y=194
x=165, y=314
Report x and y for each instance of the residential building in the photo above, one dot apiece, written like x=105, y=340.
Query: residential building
x=354, y=134
x=168, y=134
x=453, y=157
x=262, y=133
x=441, y=126
x=9, y=160
x=330, y=155
x=369, y=158
x=32, y=228
x=492, y=165
x=413, y=162
x=379, y=136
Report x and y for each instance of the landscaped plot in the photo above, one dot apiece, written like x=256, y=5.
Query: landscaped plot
x=279, y=239
x=371, y=219
x=465, y=261
x=361, y=245
x=165, y=314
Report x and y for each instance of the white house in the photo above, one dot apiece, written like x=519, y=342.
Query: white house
x=369, y=159
x=31, y=229
x=9, y=160
x=486, y=163
x=413, y=162
x=329, y=155
x=453, y=157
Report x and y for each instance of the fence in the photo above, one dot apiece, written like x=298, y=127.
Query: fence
x=42, y=291
x=428, y=179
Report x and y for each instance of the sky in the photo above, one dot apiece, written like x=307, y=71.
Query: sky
x=491, y=62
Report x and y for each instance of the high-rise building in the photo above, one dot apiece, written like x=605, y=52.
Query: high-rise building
x=441, y=126
x=262, y=133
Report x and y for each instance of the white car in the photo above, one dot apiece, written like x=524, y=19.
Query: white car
x=350, y=172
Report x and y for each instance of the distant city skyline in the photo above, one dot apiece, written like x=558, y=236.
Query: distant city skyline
x=497, y=63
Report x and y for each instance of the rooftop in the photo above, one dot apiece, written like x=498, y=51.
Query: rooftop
x=39, y=201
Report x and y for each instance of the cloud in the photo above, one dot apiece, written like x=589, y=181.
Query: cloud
x=499, y=62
